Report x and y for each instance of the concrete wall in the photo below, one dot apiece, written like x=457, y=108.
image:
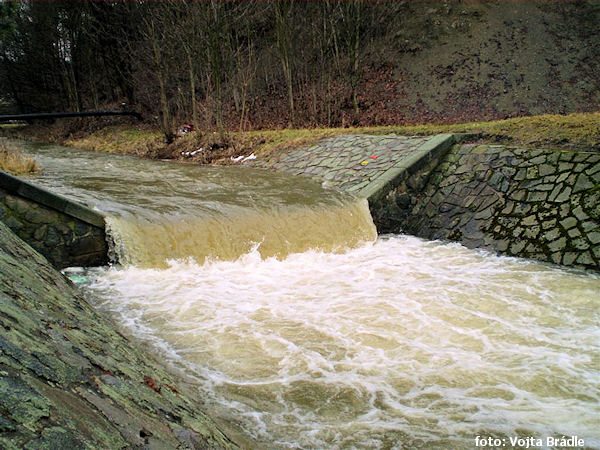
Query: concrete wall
x=389, y=197
x=65, y=232
x=538, y=204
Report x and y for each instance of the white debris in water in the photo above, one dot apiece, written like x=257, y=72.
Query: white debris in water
x=194, y=153
x=242, y=158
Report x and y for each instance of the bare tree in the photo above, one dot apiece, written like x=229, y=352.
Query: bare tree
x=155, y=33
x=352, y=32
x=285, y=46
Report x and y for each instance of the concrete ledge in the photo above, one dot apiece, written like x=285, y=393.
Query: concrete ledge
x=65, y=232
x=46, y=198
x=383, y=184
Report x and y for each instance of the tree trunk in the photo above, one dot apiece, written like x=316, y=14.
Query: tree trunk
x=356, y=61
x=164, y=102
x=329, y=95
x=192, y=76
x=284, y=44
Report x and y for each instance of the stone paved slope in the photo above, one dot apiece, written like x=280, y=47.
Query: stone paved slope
x=68, y=380
x=369, y=167
x=348, y=162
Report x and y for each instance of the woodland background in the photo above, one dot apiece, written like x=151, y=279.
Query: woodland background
x=256, y=65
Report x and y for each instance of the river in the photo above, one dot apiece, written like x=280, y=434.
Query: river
x=303, y=330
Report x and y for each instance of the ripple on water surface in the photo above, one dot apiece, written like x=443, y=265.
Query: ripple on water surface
x=392, y=344
x=157, y=210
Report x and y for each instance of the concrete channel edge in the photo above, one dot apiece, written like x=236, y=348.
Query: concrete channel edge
x=51, y=200
x=383, y=184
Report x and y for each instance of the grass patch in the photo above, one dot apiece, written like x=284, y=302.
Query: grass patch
x=574, y=131
x=13, y=162
x=119, y=139
x=579, y=131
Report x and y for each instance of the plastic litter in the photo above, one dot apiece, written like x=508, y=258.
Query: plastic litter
x=243, y=158
x=75, y=274
x=77, y=279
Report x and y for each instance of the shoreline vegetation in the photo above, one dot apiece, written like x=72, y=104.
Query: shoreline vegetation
x=13, y=162
x=577, y=131
x=272, y=65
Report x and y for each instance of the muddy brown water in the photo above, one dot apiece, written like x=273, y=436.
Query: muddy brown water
x=304, y=330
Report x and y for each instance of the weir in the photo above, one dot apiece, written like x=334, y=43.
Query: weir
x=532, y=203
x=276, y=232
x=517, y=201
x=160, y=211
x=300, y=329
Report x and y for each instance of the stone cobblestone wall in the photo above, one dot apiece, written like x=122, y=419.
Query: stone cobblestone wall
x=538, y=204
x=62, y=238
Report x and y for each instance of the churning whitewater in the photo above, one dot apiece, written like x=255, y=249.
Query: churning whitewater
x=389, y=345
x=304, y=331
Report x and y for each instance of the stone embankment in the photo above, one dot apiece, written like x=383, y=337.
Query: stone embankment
x=65, y=232
x=362, y=164
x=68, y=379
x=540, y=204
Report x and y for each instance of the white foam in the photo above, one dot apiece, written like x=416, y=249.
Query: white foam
x=386, y=343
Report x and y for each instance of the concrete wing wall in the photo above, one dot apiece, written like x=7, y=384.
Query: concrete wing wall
x=65, y=232
x=539, y=204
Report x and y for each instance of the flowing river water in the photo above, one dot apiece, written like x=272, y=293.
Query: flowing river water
x=302, y=329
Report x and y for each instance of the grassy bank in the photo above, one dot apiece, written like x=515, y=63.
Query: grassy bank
x=573, y=131
x=579, y=131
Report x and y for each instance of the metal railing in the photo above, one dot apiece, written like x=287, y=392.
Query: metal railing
x=60, y=115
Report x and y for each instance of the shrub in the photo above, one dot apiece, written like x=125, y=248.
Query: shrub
x=13, y=162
